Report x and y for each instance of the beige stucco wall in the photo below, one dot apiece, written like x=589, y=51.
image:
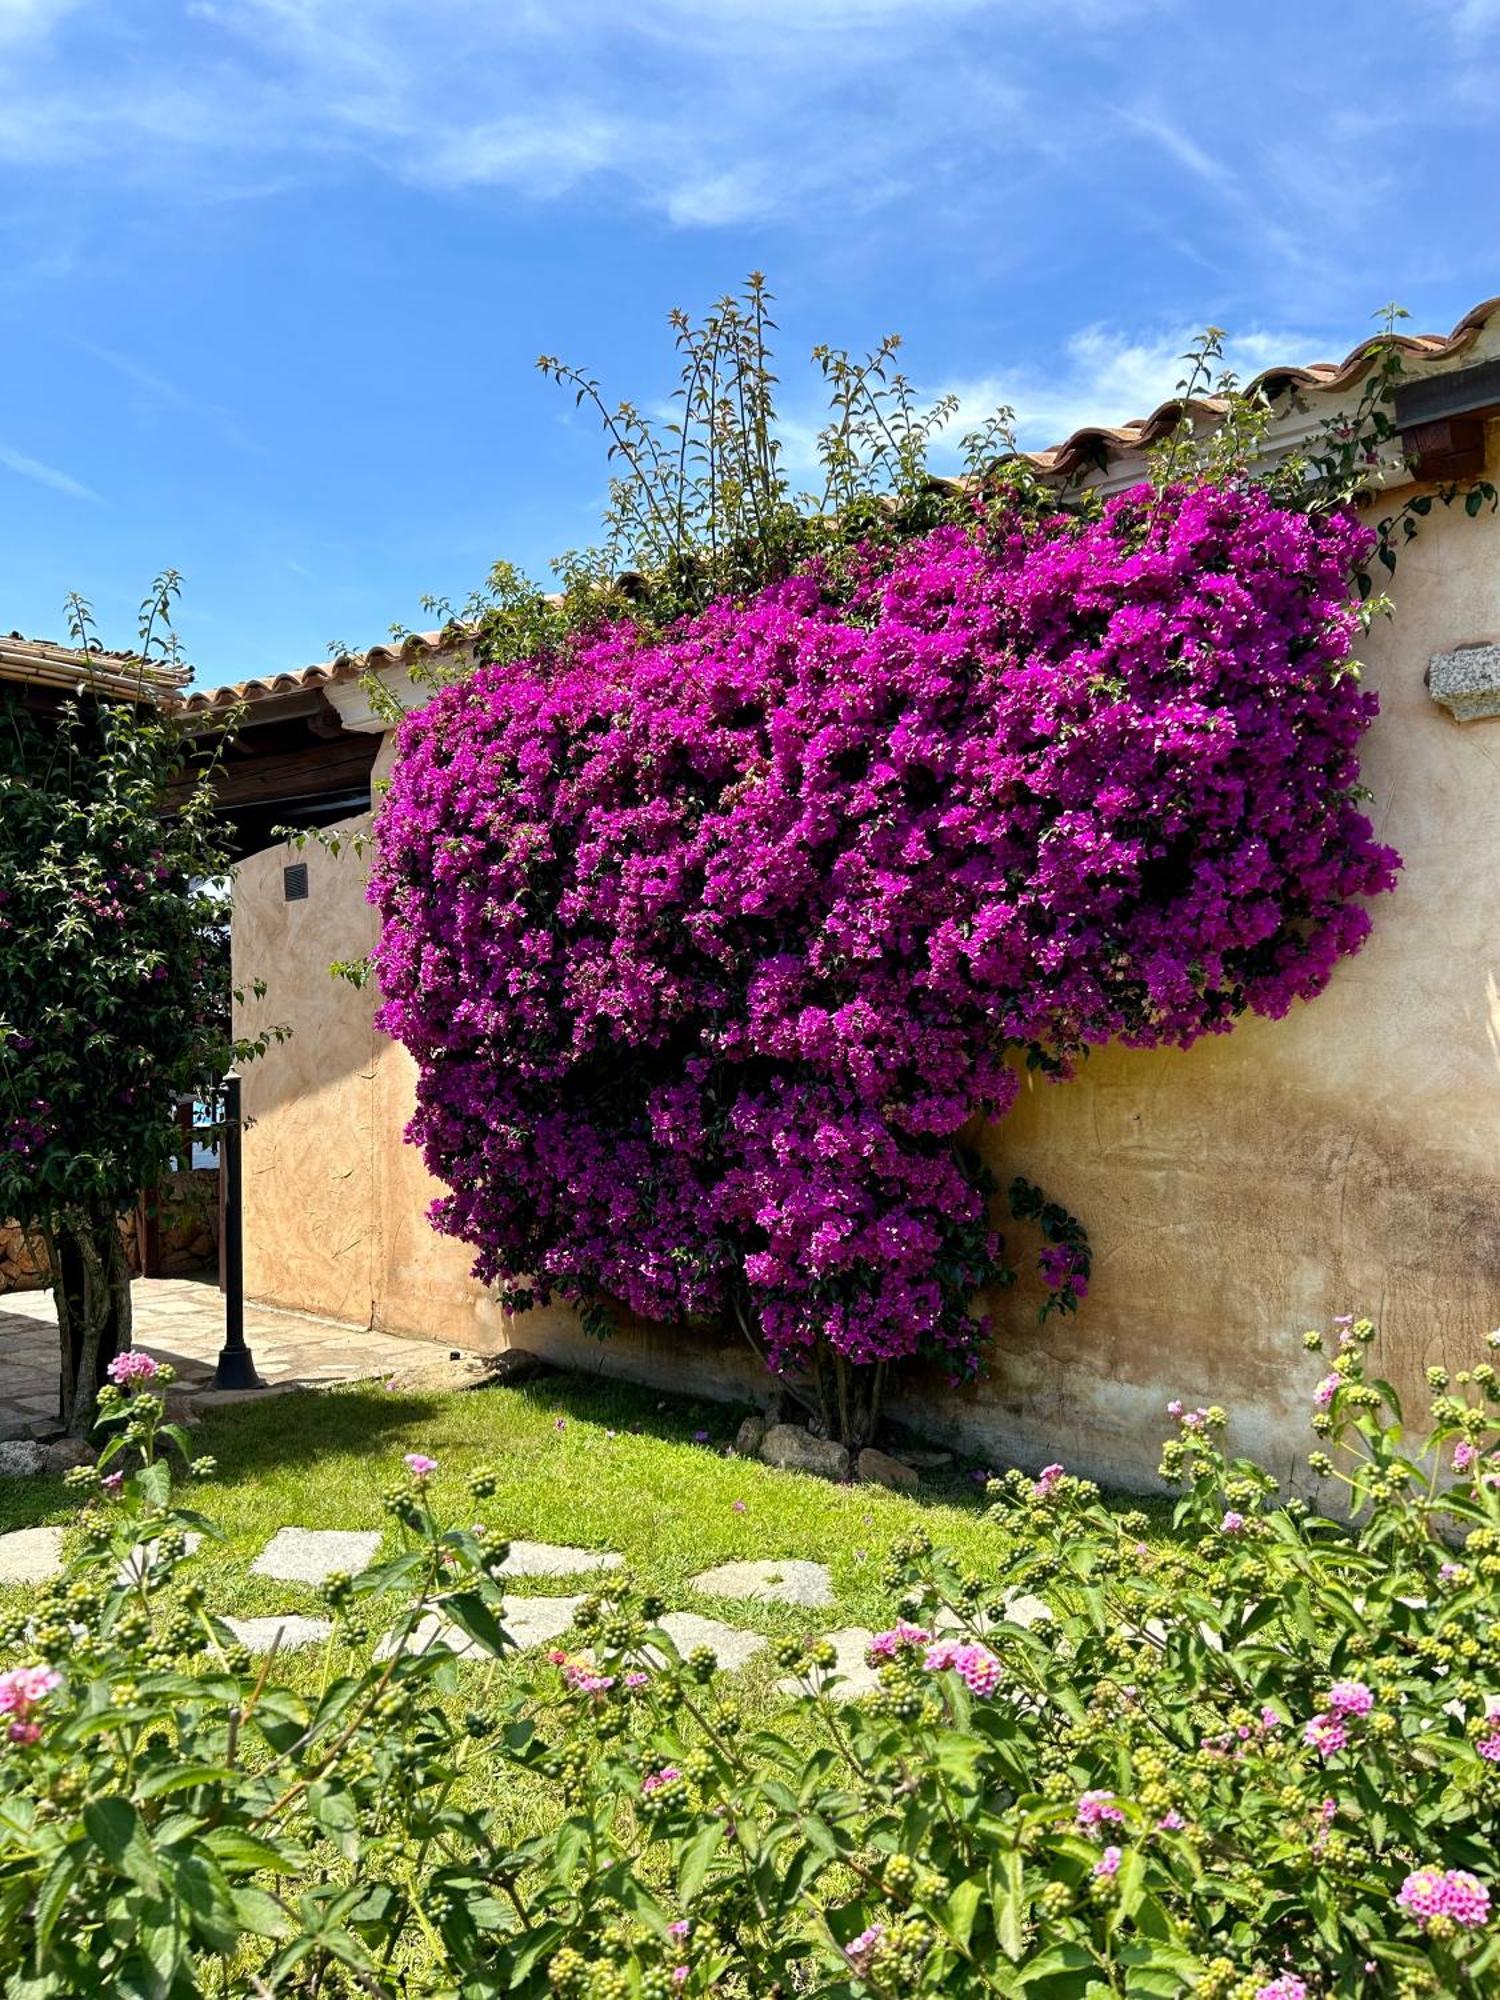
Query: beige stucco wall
x=1345, y=1158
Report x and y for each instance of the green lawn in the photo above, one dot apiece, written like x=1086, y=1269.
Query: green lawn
x=578, y=1461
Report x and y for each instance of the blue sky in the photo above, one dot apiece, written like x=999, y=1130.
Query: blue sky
x=274, y=273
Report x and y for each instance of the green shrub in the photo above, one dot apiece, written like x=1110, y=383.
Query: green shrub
x=1259, y=1763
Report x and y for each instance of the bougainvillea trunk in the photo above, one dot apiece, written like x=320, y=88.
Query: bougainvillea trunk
x=91, y=1287
x=713, y=947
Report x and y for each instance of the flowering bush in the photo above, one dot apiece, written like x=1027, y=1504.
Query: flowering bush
x=1259, y=1763
x=114, y=978
x=709, y=946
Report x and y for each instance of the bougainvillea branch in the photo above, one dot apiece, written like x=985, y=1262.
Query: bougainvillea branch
x=712, y=946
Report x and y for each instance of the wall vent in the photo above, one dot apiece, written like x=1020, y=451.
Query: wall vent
x=294, y=883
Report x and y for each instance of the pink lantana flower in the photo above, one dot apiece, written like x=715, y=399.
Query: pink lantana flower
x=1445, y=1892
x=132, y=1369
x=1098, y=1808
x=1349, y=1698
x=419, y=1465
x=886, y=1645
x=21, y=1690
x=1327, y=1735
x=863, y=1948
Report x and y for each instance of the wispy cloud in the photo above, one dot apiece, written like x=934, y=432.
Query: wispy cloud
x=707, y=112
x=1106, y=376
x=21, y=20
x=1101, y=375
x=45, y=475
x=158, y=390
x=1182, y=148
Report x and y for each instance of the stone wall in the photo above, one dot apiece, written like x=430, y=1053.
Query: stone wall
x=1342, y=1159
x=189, y=1237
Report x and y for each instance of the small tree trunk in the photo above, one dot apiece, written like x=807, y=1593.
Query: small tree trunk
x=91, y=1287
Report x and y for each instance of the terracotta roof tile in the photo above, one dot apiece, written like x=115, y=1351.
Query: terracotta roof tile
x=45, y=663
x=1093, y=444
x=1090, y=445
x=299, y=680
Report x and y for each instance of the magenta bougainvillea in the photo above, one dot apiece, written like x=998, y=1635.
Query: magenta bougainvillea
x=710, y=945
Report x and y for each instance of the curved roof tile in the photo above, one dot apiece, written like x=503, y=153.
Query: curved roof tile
x=1091, y=444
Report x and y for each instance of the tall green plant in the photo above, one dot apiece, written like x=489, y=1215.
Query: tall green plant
x=114, y=976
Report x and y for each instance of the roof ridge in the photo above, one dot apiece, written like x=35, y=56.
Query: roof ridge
x=1089, y=444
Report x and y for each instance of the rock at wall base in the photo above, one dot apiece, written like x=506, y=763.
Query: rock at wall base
x=443, y=1376
x=924, y=1458
x=63, y=1454
x=878, y=1468
x=749, y=1438
x=796, y=1450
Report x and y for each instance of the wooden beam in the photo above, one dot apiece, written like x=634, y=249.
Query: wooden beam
x=1461, y=392
x=1448, y=448
x=319, y=766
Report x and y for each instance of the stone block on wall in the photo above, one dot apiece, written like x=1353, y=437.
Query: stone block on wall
x=1467, y=681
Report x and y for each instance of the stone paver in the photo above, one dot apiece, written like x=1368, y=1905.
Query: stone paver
x=529, y=1621
x=788, y=1582
x=181, y=1320
x=311, y=1555
x=856, y=1675
x=258, y=1635
x=554, y=1559
x=731, y=1646
x=537, y=1621
x=133, y=1569
x=30, y=1555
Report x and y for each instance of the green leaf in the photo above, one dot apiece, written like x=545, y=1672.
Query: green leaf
x=160, y=1940
x=472, y=1615
x=154, y=1482
x=538, y=1944
x=1057, y=1958
x=696, y=1857
x=200, y=1885
x=568, y=1848
x=958, y=1913
x=260, y=1914
x=115, y=1827
x=1009, y=1895
x=177, y=1779
x=51, y=1897
x=234, y=1848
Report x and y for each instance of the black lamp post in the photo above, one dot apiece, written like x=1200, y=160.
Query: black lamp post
x=236, y=1369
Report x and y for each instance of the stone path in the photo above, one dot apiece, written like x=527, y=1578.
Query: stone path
x=258, y=1635
x=30, y=1555
x=550, y=1559
x=530, y=1621
x=787, y=1582
x=856, y=1675
x=181, y=1320
x=731, y=1646
x=311, y=1555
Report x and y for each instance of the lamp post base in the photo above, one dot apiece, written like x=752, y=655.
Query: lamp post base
x=236, y=1370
